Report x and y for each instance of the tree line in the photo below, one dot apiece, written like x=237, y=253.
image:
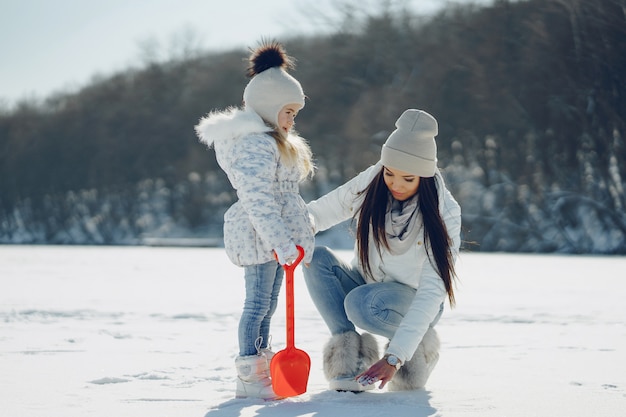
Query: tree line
x=530, y=97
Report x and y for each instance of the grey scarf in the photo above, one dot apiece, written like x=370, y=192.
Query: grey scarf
x=401, y=224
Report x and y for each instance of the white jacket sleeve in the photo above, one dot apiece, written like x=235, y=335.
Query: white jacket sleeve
x=341, y=203
x=423, y=310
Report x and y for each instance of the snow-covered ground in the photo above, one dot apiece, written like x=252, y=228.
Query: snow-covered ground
x=149, y=332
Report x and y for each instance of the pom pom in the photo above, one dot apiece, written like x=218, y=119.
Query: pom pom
x=268, y=55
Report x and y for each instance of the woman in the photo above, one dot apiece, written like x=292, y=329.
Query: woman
x=407, y=239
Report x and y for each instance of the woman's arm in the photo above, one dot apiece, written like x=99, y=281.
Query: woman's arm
x=423, y=310
x=341, y=203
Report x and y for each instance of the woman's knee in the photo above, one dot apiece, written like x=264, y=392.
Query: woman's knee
x=320, y=255
x=378, y=308
x=358, y=306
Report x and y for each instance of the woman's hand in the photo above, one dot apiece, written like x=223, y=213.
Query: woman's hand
x=380, y=371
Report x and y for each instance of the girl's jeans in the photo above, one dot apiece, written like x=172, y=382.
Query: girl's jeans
x=263, y=284
x=344, y=300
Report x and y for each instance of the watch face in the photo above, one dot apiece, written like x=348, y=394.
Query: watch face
x=392, y=360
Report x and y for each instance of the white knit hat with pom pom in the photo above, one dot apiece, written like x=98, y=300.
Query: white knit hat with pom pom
x=271, y=87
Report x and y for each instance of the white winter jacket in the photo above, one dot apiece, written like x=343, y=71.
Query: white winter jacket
x=270, y=211
x=411, y=268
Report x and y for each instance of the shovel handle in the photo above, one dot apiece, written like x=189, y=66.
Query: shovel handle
x=289, y=269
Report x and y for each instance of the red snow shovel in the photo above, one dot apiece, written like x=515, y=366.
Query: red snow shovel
x=290, y=367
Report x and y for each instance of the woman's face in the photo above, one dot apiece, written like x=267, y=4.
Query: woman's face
x=402, y=185
x=287, y=116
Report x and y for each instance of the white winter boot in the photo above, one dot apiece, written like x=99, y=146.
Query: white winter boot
x=415, y=372
x=345, y=356
x=269, y=354
x=253, y=377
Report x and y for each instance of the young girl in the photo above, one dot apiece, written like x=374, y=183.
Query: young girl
x=264, y=160
x=407, y=240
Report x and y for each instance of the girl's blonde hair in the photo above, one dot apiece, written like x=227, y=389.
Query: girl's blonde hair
x=296, y=152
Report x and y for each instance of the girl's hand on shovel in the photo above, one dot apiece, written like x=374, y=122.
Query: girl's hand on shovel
x=380, y=371
x=286, y=254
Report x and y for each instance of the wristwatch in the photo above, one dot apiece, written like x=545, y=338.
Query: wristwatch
x=393, y=361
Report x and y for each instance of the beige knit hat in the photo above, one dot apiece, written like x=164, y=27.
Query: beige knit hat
x=411, y=147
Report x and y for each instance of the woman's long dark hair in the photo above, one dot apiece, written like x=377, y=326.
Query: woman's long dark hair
x=436, y=239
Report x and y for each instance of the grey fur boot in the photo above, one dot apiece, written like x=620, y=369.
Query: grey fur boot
x=415, y=372
x=345, y=356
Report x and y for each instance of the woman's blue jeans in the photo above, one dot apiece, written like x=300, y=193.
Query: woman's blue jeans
x=345, y=301
x=263, y=284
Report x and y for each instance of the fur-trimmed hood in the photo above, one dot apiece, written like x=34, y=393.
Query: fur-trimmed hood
x=229, y=124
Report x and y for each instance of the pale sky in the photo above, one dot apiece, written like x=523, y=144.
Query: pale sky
x=47, y=46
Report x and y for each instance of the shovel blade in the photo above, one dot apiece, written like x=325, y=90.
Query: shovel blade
x=289, y=369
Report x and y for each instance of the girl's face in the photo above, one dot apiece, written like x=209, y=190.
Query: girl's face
x=287, y=116
x=402, y=185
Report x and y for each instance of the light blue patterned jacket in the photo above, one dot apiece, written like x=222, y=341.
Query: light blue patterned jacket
x=269, y=211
